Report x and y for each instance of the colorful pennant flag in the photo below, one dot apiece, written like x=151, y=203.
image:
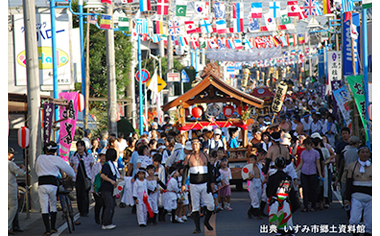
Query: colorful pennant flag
x=256, y=10
x=180, y=9
x=174, y=28
x=221, y=26
x=141, y=26
x=326, y=7
x=201, y=9
x=162, y=7
x=274, y=8
x=238, y=44
x=105, y=21
x=212, y=44
x=220, y=10
x=253, y=25
x=295, y=11
x=247, y=44
x=301, y=39
x=190, y=27
x=205, y=26
x=348, y=5
x=194, y=42
x=155, y=38
x=158, y=27
x=123, y=24
x=144, y=5
x=230, y=43
x=237, y=10
x=221, y=42
x=106, y=1
x=183, y=41
x=238, y=25
x=286, y=22
x=310, y=7
x=270, y=23
x=292, y=40
x=202, y=43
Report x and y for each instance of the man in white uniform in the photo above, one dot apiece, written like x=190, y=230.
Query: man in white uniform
x=13, y=171
x=47, y=168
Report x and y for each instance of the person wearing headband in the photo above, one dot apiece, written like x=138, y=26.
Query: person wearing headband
x=358, y=194
x=48, y=167
x=170, y=199
x=201, y=184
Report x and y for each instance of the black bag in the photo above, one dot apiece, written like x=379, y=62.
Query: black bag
x=87, y=181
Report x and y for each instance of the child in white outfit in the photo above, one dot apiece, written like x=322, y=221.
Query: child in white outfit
x=139, y=189
x=170, y=196
x=127, y=198
x=153, y=184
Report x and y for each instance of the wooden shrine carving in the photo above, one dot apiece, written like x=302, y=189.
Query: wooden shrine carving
x=212, y=69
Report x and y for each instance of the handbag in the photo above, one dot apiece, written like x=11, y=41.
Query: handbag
x=87, y=181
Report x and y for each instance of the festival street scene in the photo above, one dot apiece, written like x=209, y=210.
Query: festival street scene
x=182, y=117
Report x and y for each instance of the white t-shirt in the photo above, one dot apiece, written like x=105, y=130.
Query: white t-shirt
x=122, y=146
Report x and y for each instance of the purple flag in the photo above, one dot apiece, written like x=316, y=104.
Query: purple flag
x=48, y=120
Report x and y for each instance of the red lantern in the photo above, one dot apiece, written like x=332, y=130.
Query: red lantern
x=80, y=102
x=228, y=111
x=240, y=109
x=196, y=112
x=23, y=137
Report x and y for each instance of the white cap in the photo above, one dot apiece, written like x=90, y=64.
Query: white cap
x=188, y=146
x=103, y=152
x=316, y=135
x=217, y=131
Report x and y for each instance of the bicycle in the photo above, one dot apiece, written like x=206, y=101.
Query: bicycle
x=67, y=209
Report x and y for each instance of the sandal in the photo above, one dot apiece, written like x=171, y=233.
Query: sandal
x=304, y=210
x=312, y=209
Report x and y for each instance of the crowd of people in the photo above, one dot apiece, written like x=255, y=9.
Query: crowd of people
x=295, y=155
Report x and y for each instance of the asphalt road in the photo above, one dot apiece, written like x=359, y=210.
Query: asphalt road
x=229, y=223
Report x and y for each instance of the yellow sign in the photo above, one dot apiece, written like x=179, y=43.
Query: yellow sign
x=161, y=84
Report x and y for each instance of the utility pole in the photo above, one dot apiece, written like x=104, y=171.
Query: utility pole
x=130, y=91
x=87, y=82
x=111, y=76
x=170, y=60
x=33, y=98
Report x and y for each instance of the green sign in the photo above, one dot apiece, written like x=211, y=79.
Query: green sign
x=357, y=88
x=180, y=10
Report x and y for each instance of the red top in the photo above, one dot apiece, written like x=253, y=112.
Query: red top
x=299, y=151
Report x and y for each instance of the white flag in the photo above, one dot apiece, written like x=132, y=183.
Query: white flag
x=153, y=86
x=353, y=31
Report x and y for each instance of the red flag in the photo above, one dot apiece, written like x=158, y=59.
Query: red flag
x=348, y=16
x=106, y=1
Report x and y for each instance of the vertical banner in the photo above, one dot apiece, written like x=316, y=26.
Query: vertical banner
x=357, y=88
x=334, y=65
x=67, y=127
x=321, y=64
x=343, y=97
x=347, y=52
x=48, y=120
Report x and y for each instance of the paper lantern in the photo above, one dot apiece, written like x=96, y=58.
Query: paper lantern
x=23, y=137
x=228, y=111
x=80, y=102
x=196, y=112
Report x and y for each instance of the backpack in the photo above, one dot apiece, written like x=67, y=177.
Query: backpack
x=98, y=180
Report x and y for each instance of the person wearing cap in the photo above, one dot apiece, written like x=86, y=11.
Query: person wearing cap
x=140, y=188
x=13, y=171
x=306, y=122
x=47, y=168
x=358, y=194
x=283, y=200
x=216, y=141
x=201, y=183
x=350, y=154
x=316, y=125
x=99, y=203
x=329, y=129
x=87, y=138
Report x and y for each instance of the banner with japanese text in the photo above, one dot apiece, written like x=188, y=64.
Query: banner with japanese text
x=334, y=65
x=63, y=25
x=67, y=127
x=48, y=121
x=343, y=97
x=347, y=49
x=357, y=88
